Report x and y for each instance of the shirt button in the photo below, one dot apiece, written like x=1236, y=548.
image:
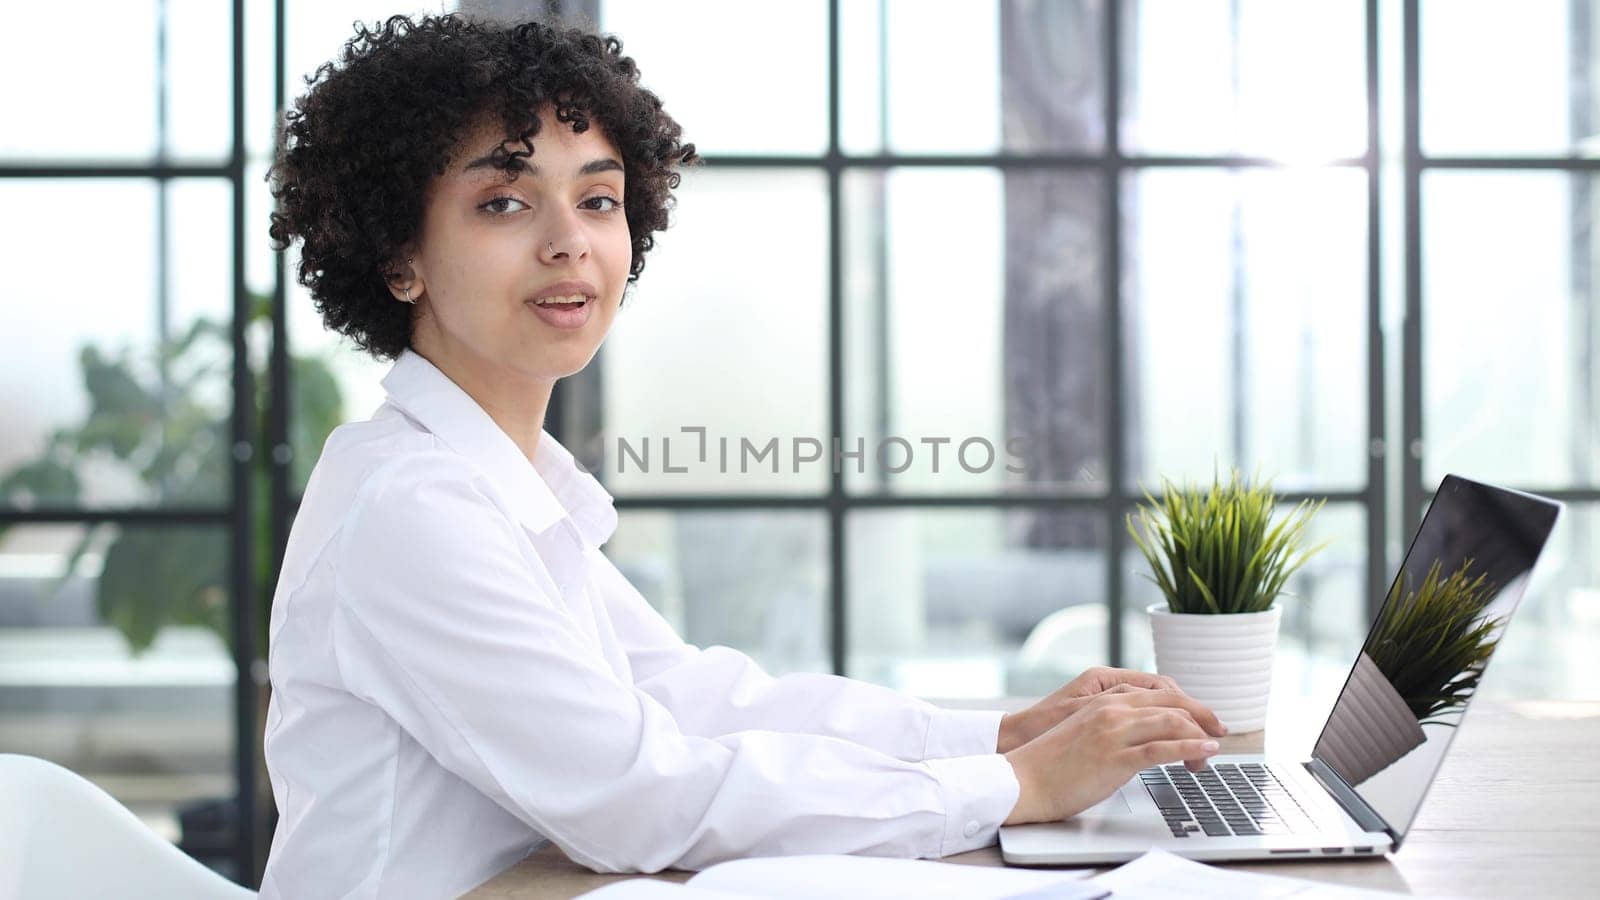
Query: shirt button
x=971, y=829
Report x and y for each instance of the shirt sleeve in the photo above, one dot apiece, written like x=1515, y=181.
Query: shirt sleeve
x=720, y=690
x=439, y=622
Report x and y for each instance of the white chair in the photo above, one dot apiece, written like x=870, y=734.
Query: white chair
x=61, y=836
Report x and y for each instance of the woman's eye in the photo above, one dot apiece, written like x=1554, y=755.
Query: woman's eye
x=501, y=205
x=615, y=204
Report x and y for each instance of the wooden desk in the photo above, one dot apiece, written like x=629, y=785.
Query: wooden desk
x=1515, y=812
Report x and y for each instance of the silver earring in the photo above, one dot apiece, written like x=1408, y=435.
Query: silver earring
x=407, y=288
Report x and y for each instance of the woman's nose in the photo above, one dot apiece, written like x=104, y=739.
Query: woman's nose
x=564, y=242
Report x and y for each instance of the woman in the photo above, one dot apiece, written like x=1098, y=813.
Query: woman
x=459, y=674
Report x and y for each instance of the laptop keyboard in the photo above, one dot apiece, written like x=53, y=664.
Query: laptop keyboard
x=1225, y=799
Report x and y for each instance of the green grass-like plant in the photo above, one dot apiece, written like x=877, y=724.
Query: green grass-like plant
x=1433, y=644
x=1216, y=550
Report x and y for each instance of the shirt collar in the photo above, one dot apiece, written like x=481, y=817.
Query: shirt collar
x=540, y=493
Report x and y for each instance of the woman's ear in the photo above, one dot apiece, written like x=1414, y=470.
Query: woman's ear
x=405, y=282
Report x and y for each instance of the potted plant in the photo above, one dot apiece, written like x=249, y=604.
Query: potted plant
x=1420, y=666
x=1221, y=563
x=171, y=434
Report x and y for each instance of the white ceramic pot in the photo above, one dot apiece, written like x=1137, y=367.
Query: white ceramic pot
x=1224, y=661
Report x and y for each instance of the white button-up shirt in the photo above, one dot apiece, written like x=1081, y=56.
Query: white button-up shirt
x=460, y=675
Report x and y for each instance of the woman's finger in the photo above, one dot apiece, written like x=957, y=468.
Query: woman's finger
x=1161, y=724
x=1201, y=713
x=1140, y=679
x=1145, y=680
x=1160, y=753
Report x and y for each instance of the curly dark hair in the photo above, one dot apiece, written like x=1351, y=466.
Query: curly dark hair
x=378, y=124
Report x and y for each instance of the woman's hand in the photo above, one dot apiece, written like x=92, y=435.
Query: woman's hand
x=1084, y=758
x=1019, y=728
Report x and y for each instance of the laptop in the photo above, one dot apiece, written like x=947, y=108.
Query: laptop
x=1384, y=738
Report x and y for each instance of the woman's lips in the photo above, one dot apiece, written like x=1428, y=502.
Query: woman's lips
x=564, y=316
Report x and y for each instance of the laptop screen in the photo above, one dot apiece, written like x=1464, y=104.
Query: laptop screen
x=1462, y=578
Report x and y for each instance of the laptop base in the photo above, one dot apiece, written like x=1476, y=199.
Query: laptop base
x=1128, y=823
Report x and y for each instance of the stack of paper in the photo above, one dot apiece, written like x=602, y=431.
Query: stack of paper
x=859, y=878
x=1157, y=875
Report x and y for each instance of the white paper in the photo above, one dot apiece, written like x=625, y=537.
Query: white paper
x=1159, y=875
x=654, y=889
x=881, y=878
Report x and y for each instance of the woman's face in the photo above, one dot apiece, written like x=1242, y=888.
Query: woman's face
x=523, y=278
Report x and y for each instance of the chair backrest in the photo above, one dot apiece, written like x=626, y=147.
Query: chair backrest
x=62, y=836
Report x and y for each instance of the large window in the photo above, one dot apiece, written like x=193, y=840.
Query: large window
x=1141, y=238
x=927, y=280
x=127, y=576
x=1501, y=375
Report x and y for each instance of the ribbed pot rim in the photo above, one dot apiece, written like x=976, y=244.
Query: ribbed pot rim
x=1160, y=609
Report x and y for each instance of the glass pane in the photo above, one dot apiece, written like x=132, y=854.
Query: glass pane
x=261, y=262
x=1246, y=325
x=125, y=39
x=128, y=375
x=260, y=118
x=1030, y=77
x=1551, y=649
x=333, y=381
x=978, y=603
x=114, y=661
x=1324, y=618
x=315, y=32
x=1255, y=77
x=726, y=331
x=738, y=83
x=1538, y=98
x=755, y=581
x=199, y=79
x=1510, y=388
x=973, y=358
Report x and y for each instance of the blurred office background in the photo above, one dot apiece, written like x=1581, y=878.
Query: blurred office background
x=1349, y=245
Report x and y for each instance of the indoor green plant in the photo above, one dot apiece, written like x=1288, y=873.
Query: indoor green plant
x=173, y=437
x=172, y=431
x=1221, y=563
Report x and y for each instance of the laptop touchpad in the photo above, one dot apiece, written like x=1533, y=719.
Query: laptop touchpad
x=1114, y=805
